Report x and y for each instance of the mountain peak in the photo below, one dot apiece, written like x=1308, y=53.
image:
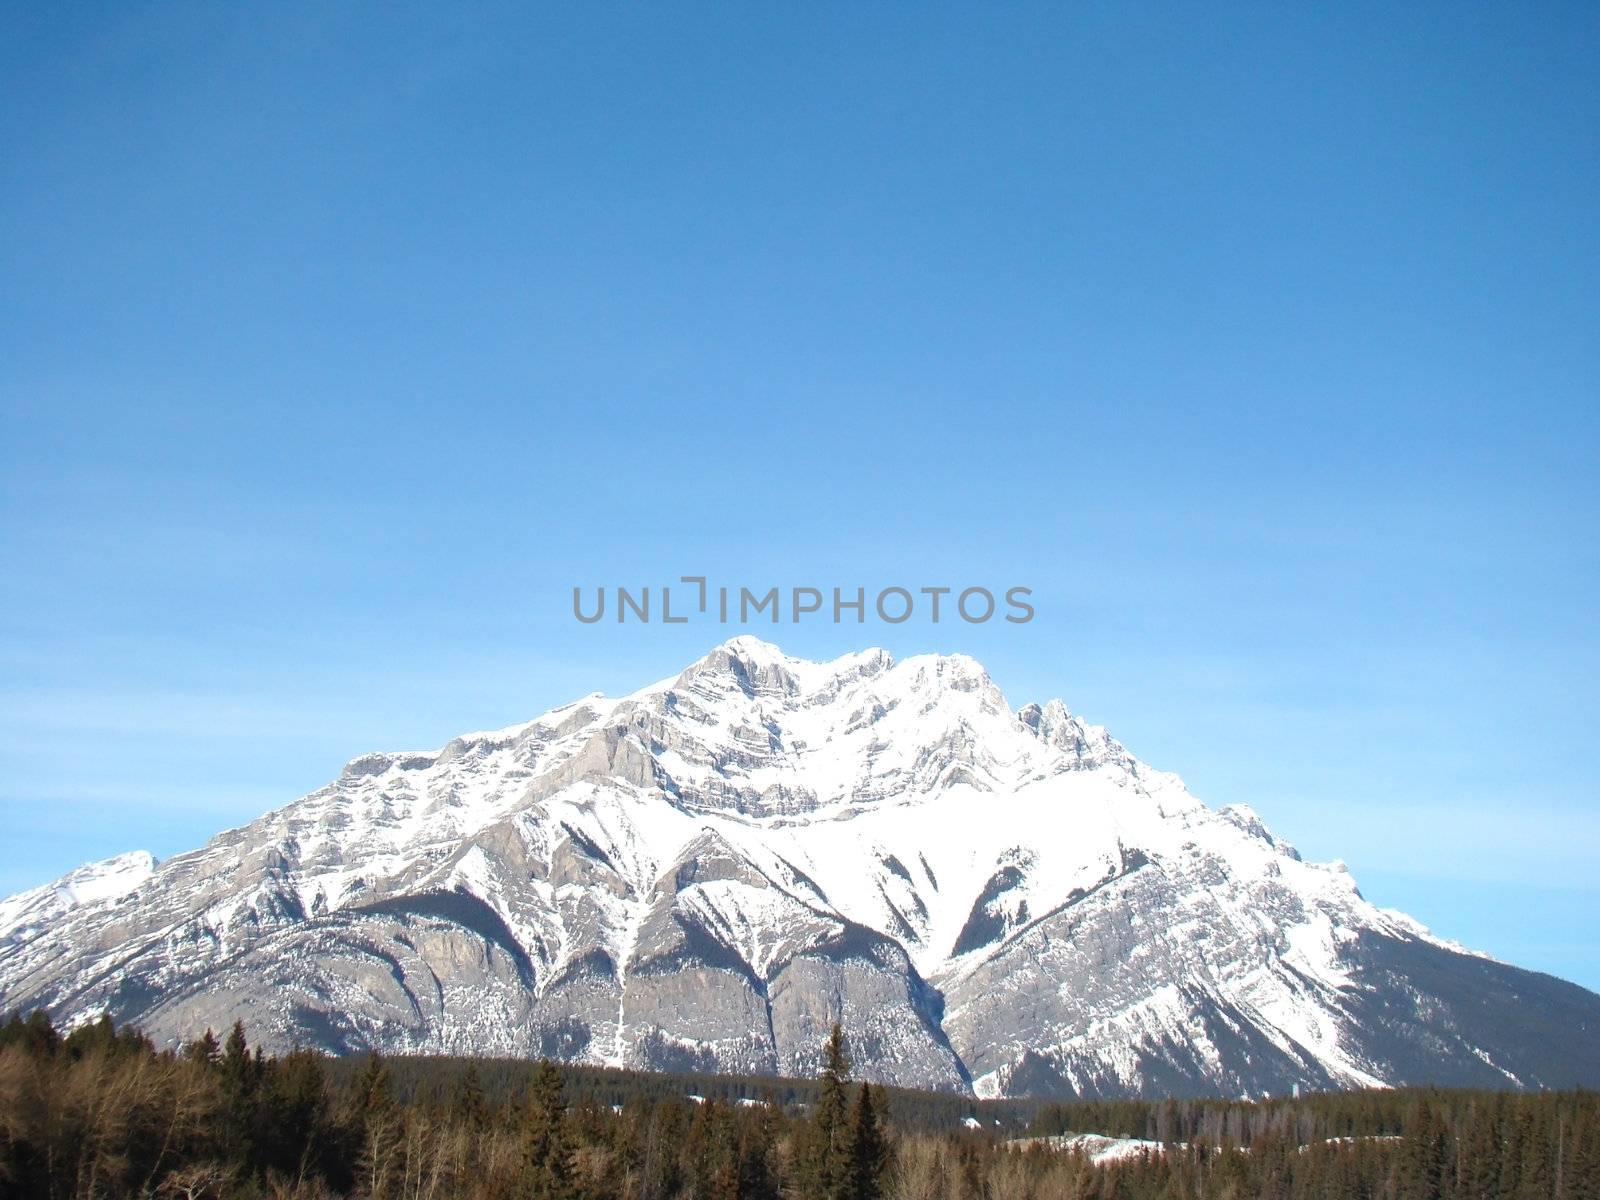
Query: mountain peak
x=746, y=663
x=755, y=666
x=751, y=648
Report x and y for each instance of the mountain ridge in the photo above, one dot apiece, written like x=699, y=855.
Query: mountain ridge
x=709, y=871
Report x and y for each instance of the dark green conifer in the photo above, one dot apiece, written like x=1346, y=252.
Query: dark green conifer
x=826, y=1166
x=467, y=1101
x=203, y=1050
x=546, y=1147
x=380, y=1122
x=869, y=1152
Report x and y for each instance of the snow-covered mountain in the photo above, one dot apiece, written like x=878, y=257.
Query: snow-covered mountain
x=708, y=873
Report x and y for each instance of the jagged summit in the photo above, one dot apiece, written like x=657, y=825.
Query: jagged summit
x=751, y=665
x=753, y=649
x=708, y=872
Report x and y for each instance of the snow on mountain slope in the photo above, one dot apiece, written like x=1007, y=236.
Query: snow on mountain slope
x=94, y=883
x=709, y=872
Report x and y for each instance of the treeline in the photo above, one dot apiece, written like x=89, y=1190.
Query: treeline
x=101, y=1113
x=1441, y=1144
x=431, y=1078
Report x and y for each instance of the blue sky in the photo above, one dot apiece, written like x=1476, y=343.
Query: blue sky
x=337, y=345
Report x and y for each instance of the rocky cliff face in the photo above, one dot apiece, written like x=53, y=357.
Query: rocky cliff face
x=708, y=873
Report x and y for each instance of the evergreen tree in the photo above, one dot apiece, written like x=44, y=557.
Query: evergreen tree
x=1585, y=1168
x=546, y=1147
x=296, y=1137
x=35, y=1034
x=374, y=1086
x=379, y=1121
x=664, y=1135
x=869, y=1152
x=467, y=1101
x=94, y=1037
x=1478, y=1157
x=710, y=1154
x=758, y=1173
x=1423, y=1156
x=823, y=1143
x=203, y=1050
x=1513, y=1137
x=826, y=1164
x=1536, y=1174
x=237, y=1067
x=240, y=1076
